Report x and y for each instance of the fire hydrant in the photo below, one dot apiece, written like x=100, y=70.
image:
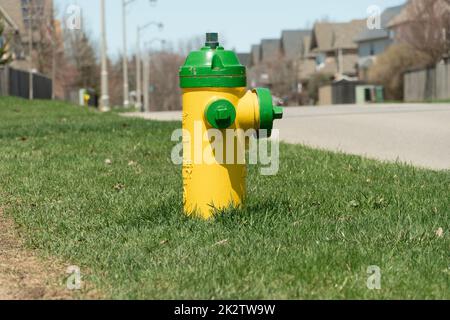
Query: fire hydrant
x=215, y=98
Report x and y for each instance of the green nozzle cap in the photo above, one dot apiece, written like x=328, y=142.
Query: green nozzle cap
x=212, y=67
x=267, y=111
x=220, y=114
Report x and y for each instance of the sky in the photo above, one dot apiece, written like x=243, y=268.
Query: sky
x=240, y=23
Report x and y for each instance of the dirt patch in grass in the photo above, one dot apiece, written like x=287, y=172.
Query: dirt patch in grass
x=23, y=275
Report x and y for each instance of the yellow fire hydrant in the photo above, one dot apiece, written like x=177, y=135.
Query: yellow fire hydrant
x=217, y=110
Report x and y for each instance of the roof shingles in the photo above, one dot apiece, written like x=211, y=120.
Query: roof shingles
x=292, y=42
x=328, y=36
x=386, y=17
x=270, y=50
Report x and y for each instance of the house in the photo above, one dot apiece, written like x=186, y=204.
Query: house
x=245, y=59
x=11, y=33
x=292, y=43
x=16, y=14
x=295, y=46
x=264, y=57
x=255, y=54
x=275, y=63
x=372, y=42
x=333, y=48
x=270, y=50
x=414, y=8
x=417, y=13
x=306, y=67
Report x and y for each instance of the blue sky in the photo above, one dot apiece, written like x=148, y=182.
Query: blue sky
x=241, y=23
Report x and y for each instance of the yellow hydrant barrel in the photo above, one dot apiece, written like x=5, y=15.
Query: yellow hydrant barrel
x=217, y=109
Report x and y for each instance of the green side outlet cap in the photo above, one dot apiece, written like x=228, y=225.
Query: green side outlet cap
x=220, y=114
x=267, y=111
x=212, y=67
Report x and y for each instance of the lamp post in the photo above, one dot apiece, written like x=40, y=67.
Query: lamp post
x=104, y=99
x=126, y=91
x=126, y=97
x=146, y=78
x=30, y=48
x=138, y=62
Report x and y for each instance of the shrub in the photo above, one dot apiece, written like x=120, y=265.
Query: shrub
x=390, y=66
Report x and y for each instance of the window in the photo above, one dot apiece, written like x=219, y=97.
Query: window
x=320, y=59
x=372, y=49
x=35, y=8
x=391, y=34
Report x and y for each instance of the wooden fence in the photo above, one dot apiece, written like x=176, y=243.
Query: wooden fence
x=428, y=84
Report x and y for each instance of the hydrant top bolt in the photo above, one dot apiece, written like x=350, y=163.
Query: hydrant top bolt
x=212, y=40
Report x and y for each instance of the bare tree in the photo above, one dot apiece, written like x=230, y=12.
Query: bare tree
x=280, y=74
x=191, y=44
x=425, y=26
x=116, y=81
x=81, y=53
x=164, y=88
x=47, y=40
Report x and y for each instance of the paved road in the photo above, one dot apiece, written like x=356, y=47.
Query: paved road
x=416, y=133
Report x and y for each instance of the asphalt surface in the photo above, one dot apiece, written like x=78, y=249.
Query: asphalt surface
x=418, y=134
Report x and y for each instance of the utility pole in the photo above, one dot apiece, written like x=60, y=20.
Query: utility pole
x=53, y=69
x=30, y=49
x=138, y=71
x=104, y=99
x=138, y=62
x=146, y=81
x=52, y=37
x=126, y=91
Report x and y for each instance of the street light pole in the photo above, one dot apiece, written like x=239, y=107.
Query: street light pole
x=138, y=63
x=146, y=80
x=30, y=49
x=104, y=99
x=125, y=55
x=126, y=95
x=138, y=71
x=53, y=68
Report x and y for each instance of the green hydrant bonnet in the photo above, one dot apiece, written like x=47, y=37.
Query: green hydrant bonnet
x=212, y=67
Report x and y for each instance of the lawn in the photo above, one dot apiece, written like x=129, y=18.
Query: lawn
x=309, y=232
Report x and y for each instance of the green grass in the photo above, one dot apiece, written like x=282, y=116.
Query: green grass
x=410, y=102
x=309, y=232
x=441, y=101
